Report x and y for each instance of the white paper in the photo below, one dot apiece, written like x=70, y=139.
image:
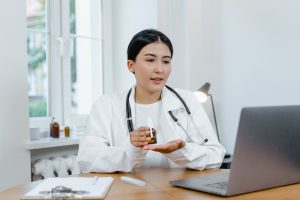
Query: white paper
x=96, y=188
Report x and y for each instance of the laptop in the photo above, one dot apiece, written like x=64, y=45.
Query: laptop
x=266, y=154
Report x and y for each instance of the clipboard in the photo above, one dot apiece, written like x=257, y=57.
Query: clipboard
x=71, y=187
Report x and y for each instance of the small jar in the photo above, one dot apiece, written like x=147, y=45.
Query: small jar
x=153, y=138
x=67, y=131
x=152, y=131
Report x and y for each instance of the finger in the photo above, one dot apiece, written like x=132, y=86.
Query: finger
x=166, y=148
x=147, y=147
x=138, y=138
x=175, y=145
x=143, y=133
x=143, y=128
x=144, y=138
x=140, y=144
x=137, y=142
x=158, y=147
x=180, y=143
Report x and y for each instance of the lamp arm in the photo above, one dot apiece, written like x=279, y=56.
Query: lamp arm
x=213, y=108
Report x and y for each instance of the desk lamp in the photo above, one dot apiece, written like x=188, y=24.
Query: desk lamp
x=202, y=94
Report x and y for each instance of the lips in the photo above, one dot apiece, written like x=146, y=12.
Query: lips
x=157, y=79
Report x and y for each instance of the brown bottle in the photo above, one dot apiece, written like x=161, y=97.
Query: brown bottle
x=54, y=129
x=153, y=138
x=152, y=131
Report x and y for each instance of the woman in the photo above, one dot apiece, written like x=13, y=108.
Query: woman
x=114, y=143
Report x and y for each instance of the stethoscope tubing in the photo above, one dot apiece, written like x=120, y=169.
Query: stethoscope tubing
x=129, y=115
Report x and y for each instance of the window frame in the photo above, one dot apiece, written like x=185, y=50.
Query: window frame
x=59, y=68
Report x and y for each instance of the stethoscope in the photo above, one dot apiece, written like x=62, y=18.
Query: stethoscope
x=189, y=139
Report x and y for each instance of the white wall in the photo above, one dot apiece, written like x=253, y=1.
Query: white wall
x=14, y=124
x=128, y=18
x=132, y=16
x=249, y=51
x=173, y=21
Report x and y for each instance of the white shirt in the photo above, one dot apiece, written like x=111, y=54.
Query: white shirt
x=143, y=113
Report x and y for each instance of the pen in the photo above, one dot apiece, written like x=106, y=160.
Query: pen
x=95, y=180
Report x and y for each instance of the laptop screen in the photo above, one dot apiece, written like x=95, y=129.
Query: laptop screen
x=267, y=150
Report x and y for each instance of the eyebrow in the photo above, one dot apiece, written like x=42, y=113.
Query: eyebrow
x=151, y=54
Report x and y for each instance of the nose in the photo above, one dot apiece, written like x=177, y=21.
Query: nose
x=158, y=68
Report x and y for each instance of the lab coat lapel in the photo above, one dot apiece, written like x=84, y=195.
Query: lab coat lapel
x=169, y=102
x=132, y=103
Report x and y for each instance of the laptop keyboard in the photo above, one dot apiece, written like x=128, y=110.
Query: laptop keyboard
x=220, y=185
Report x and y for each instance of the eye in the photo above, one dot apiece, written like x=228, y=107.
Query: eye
x=150, y=60
x=166, y=61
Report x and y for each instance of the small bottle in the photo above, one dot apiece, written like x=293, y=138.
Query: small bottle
x=67, y=131
x=153, y=132
x=54, y=129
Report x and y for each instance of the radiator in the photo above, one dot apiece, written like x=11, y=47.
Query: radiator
x=55, y=167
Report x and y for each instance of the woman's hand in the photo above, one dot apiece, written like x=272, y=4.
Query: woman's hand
x=167, y=147
x=139, y=137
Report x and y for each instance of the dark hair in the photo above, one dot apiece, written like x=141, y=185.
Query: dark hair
x=144, y=38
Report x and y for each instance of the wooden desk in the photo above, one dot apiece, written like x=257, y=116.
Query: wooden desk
x=158, y=187
x=160, y=178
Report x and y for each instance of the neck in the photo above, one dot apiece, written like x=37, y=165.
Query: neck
x=144, y=97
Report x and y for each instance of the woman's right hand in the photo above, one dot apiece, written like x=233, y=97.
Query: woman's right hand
x=139, y=137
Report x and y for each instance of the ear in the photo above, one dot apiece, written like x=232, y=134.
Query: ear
x=130, y=65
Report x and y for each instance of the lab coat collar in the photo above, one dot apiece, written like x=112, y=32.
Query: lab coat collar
x=169, y=101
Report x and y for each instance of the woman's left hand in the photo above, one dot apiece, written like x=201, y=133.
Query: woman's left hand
x=167, y=147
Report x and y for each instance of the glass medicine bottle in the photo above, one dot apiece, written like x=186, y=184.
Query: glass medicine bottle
x=152, y=136
x=67, y=131
x=54, y=129
x=152, y=133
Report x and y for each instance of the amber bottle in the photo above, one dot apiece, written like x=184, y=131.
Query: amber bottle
x=67, y=131
x=153, y=137
x=152, y=131
x=54, y=129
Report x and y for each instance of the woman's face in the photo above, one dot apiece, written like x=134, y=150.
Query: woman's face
x=152, y=67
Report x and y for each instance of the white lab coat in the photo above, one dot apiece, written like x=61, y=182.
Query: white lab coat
x=106, y=146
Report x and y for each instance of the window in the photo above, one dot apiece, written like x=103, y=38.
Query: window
x=37, y=43
x=64, y=47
